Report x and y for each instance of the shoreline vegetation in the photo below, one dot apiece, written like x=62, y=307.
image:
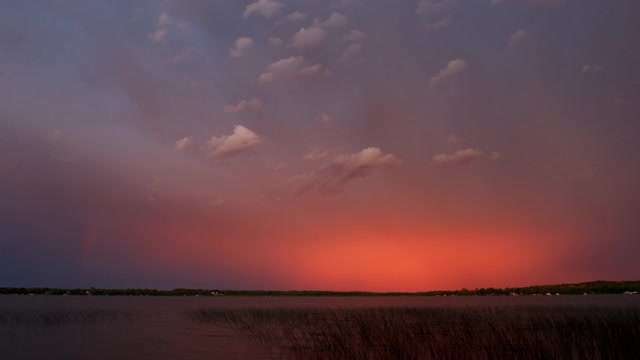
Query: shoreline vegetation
x=531, y=332
x=586, y=288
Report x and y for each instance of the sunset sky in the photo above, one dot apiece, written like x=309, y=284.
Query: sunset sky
x=378, y=145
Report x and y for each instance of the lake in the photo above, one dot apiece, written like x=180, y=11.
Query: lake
x=97, y=327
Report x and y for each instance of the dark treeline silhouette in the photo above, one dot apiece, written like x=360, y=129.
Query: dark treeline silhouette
x=594, y=287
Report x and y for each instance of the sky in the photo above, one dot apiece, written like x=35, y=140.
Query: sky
x=376, y=145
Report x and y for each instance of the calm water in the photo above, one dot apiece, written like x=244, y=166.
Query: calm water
x=37, y=327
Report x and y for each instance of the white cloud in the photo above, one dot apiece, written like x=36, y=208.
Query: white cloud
x=289, y=69
x=458, y=158
x=159, y=36
x=186, y=55
x=252, y=104
x=308, y=37
x=336, y=20
x=242, y=47
x=331, y=178
x=519, y=37
x=264, y=8
x=275, y=42
x=183, y=144
x=297, y=16
x=350, y=52
x=240, y=141
x=454, y=67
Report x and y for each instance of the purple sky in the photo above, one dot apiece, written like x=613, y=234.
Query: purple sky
x=345, y=144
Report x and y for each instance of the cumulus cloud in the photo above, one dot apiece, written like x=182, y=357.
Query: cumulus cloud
x=331, y=178
x=159, y=36
x=252, y=104
x=453, y=68
x=242, y=47
x=354, y=36
x=264, y=8
x=519, y=37
x=240, y=141
x=336, y=20
x=350, y=52
x=186, y=55
x=297, y=16
x=289, y=69
x=183, y=144
x=458, y=158
x=308, y=37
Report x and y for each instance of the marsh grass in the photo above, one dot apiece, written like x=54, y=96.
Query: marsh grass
x=47, y=318
x=560, y=332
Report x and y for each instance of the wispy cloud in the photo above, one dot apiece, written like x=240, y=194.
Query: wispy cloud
x=458, y=158
x=453, y=68
x=289, y=69
x=252, y=104
x=331, y=178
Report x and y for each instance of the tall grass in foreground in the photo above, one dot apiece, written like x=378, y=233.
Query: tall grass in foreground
x=61, y=317
x=562, y=332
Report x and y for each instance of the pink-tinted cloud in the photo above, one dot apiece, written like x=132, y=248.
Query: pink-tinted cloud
x=453, y=68
x=241, y=48
x=240, y=141
x=308, y=37
x=289, y=69
x=251, y=104
x=331, y=178
x=264, y=8
x=183, y=144
x=336, y=20
x=458, y=158
x=354, y=36
x=520, y=37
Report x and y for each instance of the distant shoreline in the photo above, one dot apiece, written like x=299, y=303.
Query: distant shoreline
x=586, y=288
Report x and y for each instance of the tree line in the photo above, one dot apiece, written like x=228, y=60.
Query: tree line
x=594, y=287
